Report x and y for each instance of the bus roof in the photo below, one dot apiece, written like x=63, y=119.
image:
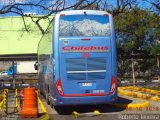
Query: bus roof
x=94, y=12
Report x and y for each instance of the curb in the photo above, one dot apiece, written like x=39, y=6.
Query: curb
x=46, y=116
x=122, y=91
x=133, y=105
x=1, y=103
x=4, y=95
x=90, y=114
x=145, y=90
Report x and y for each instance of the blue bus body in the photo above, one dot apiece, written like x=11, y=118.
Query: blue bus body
x=77, y=59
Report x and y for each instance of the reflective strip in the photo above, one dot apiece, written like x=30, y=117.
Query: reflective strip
x=91, y=71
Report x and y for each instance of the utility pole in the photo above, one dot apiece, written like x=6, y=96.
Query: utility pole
x=158, y=68
x=13, y=74
x=133, y=74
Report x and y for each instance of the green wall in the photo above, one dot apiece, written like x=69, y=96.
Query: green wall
x=15, y=40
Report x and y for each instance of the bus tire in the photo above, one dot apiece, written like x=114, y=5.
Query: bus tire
x=51, y=105
x=47, y=100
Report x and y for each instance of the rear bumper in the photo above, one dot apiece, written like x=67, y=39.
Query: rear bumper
x=111, y=98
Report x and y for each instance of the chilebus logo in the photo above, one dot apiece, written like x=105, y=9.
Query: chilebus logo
x=84, y=49
x=10, y=2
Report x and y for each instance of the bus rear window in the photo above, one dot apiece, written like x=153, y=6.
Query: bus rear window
x=84, y=25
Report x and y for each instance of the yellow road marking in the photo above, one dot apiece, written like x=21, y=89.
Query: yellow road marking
x=46, y=116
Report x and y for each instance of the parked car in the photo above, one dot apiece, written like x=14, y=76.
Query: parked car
x=3, y=73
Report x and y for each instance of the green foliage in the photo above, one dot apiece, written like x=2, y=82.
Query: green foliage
x=138, y=29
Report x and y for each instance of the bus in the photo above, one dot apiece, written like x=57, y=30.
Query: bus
x=77, y=59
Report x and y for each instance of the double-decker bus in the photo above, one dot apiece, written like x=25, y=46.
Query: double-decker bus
x=77, y=59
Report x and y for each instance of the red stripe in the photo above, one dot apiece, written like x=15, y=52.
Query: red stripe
x=85, y=39
x=84, y=95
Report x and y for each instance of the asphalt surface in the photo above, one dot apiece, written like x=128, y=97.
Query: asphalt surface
x=10, y=113
x=109, y=112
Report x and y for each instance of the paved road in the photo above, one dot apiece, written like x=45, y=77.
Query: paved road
x=10, y=114
x=15, y=115
x=109, y=112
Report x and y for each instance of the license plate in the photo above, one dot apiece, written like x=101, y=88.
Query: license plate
x=87, y=84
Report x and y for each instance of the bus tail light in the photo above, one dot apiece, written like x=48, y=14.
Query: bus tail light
x=113, y=85
x=105, y=14
x=85, y=39
x=59, y=87
x=62, y=14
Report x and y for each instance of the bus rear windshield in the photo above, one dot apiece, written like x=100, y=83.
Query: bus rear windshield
x=84, y=25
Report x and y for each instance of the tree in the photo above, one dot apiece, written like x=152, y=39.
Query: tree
x=155, y=5
x=120, y=6
x=137, y=30
x=44, y=7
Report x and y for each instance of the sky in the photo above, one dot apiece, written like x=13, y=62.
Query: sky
x=141, y=3
x=48, y=2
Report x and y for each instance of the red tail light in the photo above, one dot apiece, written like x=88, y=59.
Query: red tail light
x=62, y=14
x=113, y=85
x=59, y=87
x=105, y=14
x=85, y=39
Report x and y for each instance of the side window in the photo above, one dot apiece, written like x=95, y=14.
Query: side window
x=45, y=49
x=45, y=45
x=52, y=33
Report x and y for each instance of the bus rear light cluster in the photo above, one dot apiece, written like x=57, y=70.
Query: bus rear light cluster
x=59, y=87
x=62, y=14
x=105, y=14
x=113, y=85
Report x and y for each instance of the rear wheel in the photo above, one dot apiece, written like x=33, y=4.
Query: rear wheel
x=51, y=104
x=47, y=95
x=47, y=99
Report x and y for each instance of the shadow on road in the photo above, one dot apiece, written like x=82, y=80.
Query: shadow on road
x=103, y=108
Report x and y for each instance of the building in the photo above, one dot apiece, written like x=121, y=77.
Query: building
x=16, y=44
